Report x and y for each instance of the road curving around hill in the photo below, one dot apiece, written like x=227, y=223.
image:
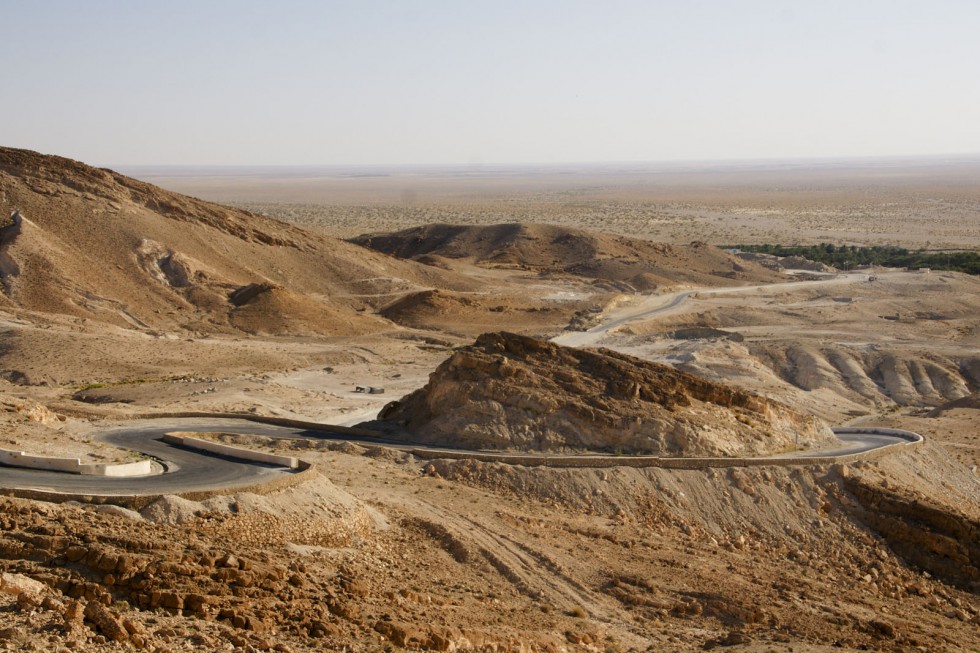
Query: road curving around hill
x=192, y=472
x=185, y=470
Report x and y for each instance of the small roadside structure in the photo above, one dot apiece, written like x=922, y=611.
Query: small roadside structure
x=369, y=389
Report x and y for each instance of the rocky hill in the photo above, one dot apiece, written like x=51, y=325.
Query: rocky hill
x=644, y=265
x=513, y=392
x=95, y=244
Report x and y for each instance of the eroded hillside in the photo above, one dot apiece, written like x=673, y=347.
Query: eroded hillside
x=841, y=348
x=95, y=244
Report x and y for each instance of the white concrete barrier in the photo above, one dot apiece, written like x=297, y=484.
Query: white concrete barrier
x=31, y=461
x=74, y=465
x=185, y=440
x=909, y=436
x=138, y=468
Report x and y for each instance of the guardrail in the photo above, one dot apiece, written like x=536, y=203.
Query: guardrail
x=306, y=470
x=263, y=419
x=182, y=439
x=580, y=461
x=910, y=440
x=74, y=465
x=139, y=501
x=600, y=461
x=364, y=437
x=909, y=436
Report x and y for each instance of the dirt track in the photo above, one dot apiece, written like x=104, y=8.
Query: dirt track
x=661, y=305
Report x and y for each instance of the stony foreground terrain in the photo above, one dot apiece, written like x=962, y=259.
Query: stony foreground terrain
x=490, y=557
x=122, y=299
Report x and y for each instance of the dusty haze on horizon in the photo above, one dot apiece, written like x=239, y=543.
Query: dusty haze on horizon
x=914, y=202
x=306, y=82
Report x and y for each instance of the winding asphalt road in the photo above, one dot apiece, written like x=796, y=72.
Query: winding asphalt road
x=194, y=471
x=189, y=471
x=660, y=305
x=185, y=470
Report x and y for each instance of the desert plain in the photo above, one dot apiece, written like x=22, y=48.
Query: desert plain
x=278, y=292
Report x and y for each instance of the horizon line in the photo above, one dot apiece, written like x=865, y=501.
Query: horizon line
x=565, y=164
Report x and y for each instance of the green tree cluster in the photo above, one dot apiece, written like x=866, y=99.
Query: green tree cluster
x=847, y=257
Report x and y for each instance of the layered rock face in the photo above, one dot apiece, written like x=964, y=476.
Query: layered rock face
x=513, y=392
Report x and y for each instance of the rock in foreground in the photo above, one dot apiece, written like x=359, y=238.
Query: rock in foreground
x=513, y=392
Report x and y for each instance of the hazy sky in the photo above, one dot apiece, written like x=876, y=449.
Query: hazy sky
x=468, y=81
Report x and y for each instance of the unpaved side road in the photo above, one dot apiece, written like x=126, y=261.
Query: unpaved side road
x=660, y=305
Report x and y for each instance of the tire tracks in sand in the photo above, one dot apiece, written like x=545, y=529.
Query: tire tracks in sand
x=531, y=571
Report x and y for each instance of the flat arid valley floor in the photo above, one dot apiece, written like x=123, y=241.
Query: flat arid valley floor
x=126, y=306
x=912, y=203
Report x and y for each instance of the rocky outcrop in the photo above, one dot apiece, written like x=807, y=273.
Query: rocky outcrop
x=27, y=410
x=514, y=392
x=940, y=540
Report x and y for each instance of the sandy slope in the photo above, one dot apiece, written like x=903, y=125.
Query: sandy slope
x=98, y=245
